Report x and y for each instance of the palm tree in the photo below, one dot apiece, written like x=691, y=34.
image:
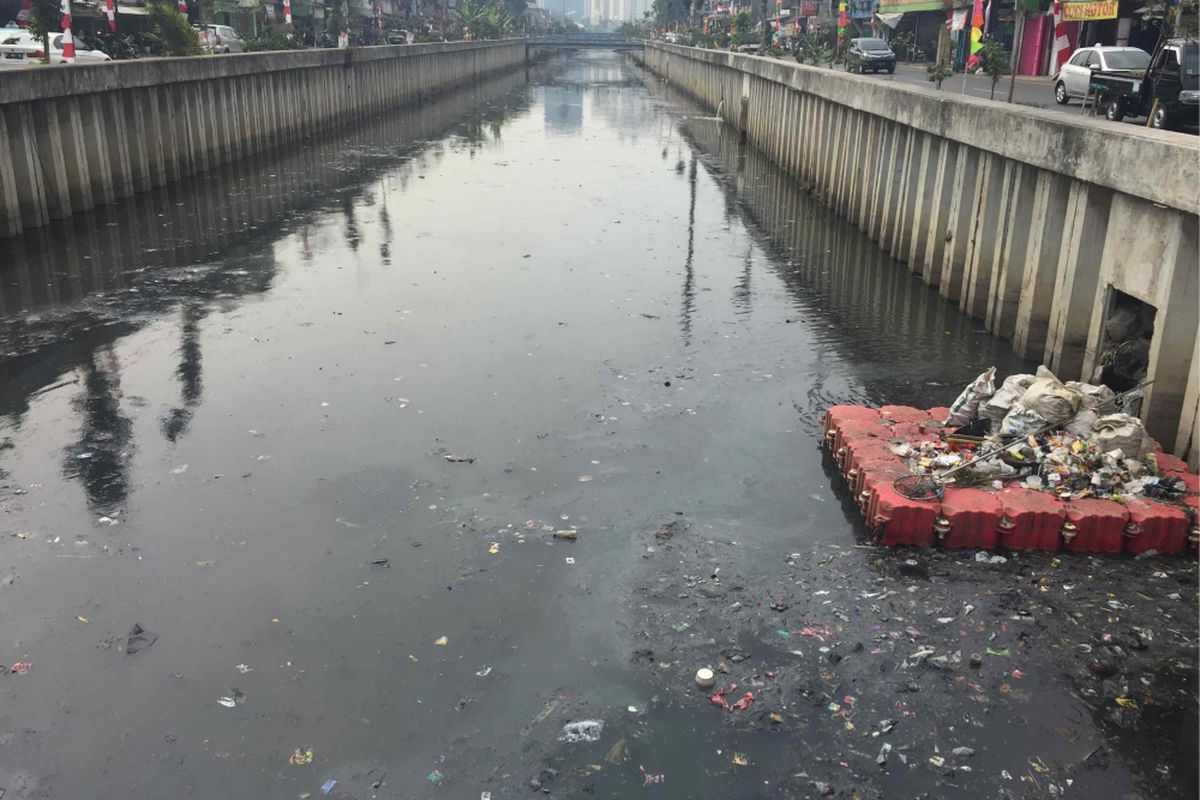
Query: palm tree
x=499, y=21
x=473, y=16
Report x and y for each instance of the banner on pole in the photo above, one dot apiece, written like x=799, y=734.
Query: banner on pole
x=68, y=41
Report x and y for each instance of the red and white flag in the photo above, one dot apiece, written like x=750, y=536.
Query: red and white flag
x=287, y=12
x=110, y=11
x=182, y=6
x=1062, y=43
x=68, y=43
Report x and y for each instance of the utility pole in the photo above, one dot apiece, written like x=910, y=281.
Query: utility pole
x=1019, y=30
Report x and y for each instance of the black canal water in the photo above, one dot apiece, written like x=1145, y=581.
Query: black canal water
x=314, y=421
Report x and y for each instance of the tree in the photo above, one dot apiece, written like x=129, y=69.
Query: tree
x=46, y=18
x=940, y=69
x=815, y=48
x=993, y=61
x=907, y=43
x=178, y=37
x=743, y=28
x=497, y=22
x=667, y=12
x=516, y=10
x=472, y=14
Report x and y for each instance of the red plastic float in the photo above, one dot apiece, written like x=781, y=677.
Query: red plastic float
x=1031, y=520
x=1155, y=526
x=904, y=414
x=911, y=432
x=1094, y=526
x=859, y=451
x=838, y=414
x=1170, y=463
x=939, y=415
x=873, y=474
x=1015, y=517
x=970, y=518
x=900, y=521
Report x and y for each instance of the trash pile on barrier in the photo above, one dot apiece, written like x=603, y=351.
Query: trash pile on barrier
x=1064, y=469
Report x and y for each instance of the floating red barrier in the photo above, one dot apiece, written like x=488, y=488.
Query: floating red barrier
x=974, y=519
x=1031, y=520
x=1155, y=526
x=1094, y=526
x=859, y=450
x=861, y=440
x=873, y=474
x=839, y=414
x=911, y=432
x=1192, y=482
x=1170, y=463
x=939, y=414
x=898, y=519
x=904, y=414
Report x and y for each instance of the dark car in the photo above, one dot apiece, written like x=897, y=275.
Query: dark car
x=1167, y=92
x=870, y=54
x=397, y=37
x=1171, y=88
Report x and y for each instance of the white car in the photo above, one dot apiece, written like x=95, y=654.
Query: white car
x=19, y=49
x=221, y=39
x=1076, y=74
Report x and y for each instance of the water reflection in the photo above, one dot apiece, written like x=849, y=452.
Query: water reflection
x=907, y=343
x=689, y=268
x=100, y=459
x=176, y=421
x=70, y=291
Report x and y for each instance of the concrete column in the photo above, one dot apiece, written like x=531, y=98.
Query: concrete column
x=97, y=146
x=1047, y=221
x=1076, y=279
x=16, y=186
x=33, y=206
x=910, y=189
x=1150, y=253
x=50, y=159
x=987, y=234
x=939, y=213
x=1009, y=267
x=1187, y=438
x=1174, y=342
x=921, y=205
x=960, y=221
x=889, y=146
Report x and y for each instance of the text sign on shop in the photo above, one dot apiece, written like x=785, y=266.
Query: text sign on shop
x=1077, y=11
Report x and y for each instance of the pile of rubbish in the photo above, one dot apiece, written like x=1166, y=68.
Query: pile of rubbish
x=1071, y=439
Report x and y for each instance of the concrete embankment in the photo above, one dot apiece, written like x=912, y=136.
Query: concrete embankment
x=1055, y=231
x=74, y=138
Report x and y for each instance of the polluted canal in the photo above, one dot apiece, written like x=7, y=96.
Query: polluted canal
x=435, y=458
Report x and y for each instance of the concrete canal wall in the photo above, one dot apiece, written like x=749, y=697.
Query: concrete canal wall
x=73, y=138
x=1037, y=223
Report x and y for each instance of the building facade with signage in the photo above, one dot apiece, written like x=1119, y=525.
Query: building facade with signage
x=1123, y=23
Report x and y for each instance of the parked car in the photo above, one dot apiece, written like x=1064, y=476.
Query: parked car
x=1168, y=91
x=870, y=54
x=221, y=39
x=1075, y=75
x=24, y=49
x=397, y=37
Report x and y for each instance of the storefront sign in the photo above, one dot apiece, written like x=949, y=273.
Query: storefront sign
x=808, y=8
x=1086, y=10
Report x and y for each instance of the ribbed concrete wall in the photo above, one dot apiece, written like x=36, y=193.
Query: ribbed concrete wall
x=1026, y=218
x=75, y=138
